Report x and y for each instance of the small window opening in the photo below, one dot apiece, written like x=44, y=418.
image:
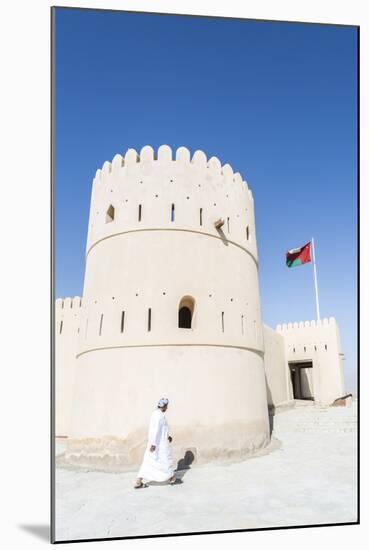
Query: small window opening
x=200, y=216
x=228, y=225
x=149, y=319
x=122, y=322
x=172, y=214
x=110, y=214
x=294, y=350
x=139, y=212
x=247, y=233
x=314, y=348
x=222, y=321
x=101, y=323
x=61, y=327
x=304, y=348
x=185, y=312
x=325, y=347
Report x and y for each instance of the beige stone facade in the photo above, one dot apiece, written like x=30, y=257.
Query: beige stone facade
x=171, y=307
x=317, y=342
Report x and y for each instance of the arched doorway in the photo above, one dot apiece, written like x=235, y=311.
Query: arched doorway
x=185, y=312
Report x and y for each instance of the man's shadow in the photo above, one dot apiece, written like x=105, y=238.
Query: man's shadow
x=184, y=464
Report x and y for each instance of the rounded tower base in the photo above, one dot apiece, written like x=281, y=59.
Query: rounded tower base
x=210, y=419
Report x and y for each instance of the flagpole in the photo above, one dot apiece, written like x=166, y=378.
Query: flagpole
x=315, y=282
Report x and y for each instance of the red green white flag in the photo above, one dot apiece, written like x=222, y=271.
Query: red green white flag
x=299, y=256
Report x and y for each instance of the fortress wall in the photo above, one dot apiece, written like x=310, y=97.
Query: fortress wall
x=319, y=342
x=207, y=414
x=67, y=322
x=276, y=367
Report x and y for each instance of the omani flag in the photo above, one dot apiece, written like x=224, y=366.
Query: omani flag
x=298, y=256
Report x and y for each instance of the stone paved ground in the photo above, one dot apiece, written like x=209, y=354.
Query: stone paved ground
x=310, y=479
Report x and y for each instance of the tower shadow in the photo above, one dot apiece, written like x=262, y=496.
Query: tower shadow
x=271, y=412
x=271, y=408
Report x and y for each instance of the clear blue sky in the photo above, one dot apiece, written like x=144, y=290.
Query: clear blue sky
x=277, y=101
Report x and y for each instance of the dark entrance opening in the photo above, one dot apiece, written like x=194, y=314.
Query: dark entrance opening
x=302, y=380
x=184, y=317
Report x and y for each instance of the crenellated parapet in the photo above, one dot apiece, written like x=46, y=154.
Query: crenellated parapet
x=162, y=190
x=310, y=338
x=147, y=157
x=67, y=315
x=67, y=327
x=64, y=304
x=306, y=338
x=330, y=321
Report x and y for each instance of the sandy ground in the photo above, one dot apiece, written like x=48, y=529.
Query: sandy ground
x=309, y=479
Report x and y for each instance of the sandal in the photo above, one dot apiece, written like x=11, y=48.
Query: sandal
x=140, y=485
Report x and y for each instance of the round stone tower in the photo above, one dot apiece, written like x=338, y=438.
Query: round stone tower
x=170, y=308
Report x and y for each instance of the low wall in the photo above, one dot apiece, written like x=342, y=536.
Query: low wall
x=275, y=365
x=67, y=324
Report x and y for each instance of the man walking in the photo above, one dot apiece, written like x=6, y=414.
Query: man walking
x=157, y=463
